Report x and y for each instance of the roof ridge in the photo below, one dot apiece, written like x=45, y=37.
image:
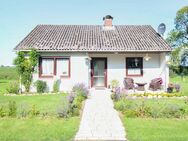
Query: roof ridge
x=88, y=25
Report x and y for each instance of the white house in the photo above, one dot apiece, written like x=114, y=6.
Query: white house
x=97, y=54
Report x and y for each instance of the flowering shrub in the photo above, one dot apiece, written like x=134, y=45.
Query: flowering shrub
x=63, y=108
x=119, y=93
x=73, y=102
x=81, y=89
x=70, y=97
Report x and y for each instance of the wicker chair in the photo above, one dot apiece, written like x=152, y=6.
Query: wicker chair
x=128, y=83
x=155, y=84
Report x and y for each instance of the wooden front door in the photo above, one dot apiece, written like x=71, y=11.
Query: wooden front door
x=99, y=72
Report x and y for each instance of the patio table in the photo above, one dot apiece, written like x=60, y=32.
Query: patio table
x=141, y=86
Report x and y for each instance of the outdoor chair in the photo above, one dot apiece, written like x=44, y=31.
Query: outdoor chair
x=128, y=83
x=155, y=84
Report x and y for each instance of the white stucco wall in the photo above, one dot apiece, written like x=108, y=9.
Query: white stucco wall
x=80, y=69
x=78, y=72
x=155, y=67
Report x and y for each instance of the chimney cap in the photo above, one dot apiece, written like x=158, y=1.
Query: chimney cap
x=108, y=17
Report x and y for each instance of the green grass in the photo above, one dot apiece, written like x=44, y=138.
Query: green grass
x=44, y=103
x=3, y=85
x=38, y=128
x=183, y=82
x=140, y=129
x=35, y=129
x=8, y=73
x=144, y=128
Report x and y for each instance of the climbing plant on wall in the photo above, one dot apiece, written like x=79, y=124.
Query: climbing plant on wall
x=25, y=63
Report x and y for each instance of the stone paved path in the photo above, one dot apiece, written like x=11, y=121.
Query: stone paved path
x=100, y=121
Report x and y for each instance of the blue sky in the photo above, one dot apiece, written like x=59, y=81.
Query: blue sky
x=19, y=17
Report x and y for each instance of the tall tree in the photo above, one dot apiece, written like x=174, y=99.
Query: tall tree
x=179, y=35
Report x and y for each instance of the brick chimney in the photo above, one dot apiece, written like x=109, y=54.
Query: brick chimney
x=108, y=21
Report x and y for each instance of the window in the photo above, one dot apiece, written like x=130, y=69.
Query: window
x=63, y=67
x=134, y=66
x=50, y=66
x=47, y=66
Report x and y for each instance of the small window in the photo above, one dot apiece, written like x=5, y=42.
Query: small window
x=62, y=67
x=50, y=66
x=134, y=66
x=47, y=66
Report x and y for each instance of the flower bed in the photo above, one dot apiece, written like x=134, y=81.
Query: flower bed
x=153, y=108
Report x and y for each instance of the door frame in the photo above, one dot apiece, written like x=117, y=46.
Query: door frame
x=105, y=70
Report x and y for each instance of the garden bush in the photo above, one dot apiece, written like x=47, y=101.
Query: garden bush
x=34, y=111
x=70, y=97
x=118, y=94
x=26, y=66
x=114, y=84
x=71, y=105
x=81, y=89
x=12, y=109
x=13, y=87
x=40, y=86
x=173, y=111
x=2, y=111
x=63, y=108
x=56, y=86
x=76, y=105
x=23, y=110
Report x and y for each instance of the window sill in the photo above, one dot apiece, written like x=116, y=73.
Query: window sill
x=136, y=75
x=63, y=76
x=46, y=76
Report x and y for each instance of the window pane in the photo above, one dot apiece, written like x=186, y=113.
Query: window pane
x=99, y=66
x=62, y=67
x=134, y=62
x=134, y=66
x=47, y=66
x=134, y=71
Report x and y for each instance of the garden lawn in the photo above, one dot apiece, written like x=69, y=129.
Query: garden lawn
x=141, y=129
x=36, y=129
x=183, y=82
x=43, y=103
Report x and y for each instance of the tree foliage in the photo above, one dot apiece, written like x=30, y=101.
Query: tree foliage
x=25, y=63
x=179, y=35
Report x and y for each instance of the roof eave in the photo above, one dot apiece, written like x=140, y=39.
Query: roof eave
x=109, y=51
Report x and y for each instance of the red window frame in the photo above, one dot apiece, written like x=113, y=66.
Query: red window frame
x=55, y=66
x=141, y=66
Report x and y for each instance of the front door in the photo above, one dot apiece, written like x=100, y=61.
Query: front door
x=99, y=72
